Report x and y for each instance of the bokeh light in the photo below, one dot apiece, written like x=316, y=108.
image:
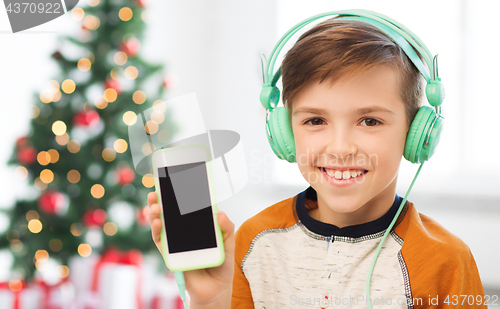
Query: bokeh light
x=43, y=158
x=73, y=146
x=120, y=145
x=139, y=97
x=148, y=180
x=97, y=191
x=59, y=127
x=74, y=176
x=84, y=250
x=77, y=14
x=47, y=176
x=62, y=139
x=129, y=118
x=125, y=14
x=131, y=72
x=84, y=64
x=108, y=154
x=91, y=22
x=35, y=226
x=68, y=86
x=120, y=58
x=110, y=95
x=55, y=245
x=110, y=228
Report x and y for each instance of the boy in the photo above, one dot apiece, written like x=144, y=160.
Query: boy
x=351, y=94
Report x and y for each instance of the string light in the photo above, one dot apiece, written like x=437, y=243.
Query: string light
x=157, y=117
x=159, y=106
x=55, y=245
x=108, y=154
x=21, y=172
x=76, y=229
x=35, y=226
x=68, y=86
x=151, y=127
x=59, y=127
x=131, y=72
x=39, y=184
x=148, y=148
x=84, y=250
x=100, y=102
x=32, y=214
x=43, y=158
x=57, y=96
x=41, y=255
x=47, y=176
x=110, y=228
x=115, y=73
x=16, y=245
x=15, y=285
x=84, y=64
x=139, y=97
x=92, y=2
x=73, y=176
x=148, y=180
x=63, y=271
x=46, y=96
x=110, y=95
x=125, y=14
x=54, y=155
x=77, y=14
x=62, y=139
x=120, y=145
x=120, y=58
x=129, y=118
x=91, y=22
x=97, y=191
x=73, y=146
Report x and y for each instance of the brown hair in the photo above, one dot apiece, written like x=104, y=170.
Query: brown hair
x=339, y=48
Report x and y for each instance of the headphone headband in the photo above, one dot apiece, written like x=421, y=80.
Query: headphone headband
x=406, y=39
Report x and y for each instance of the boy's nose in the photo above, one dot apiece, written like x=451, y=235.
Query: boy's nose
x=341, y=144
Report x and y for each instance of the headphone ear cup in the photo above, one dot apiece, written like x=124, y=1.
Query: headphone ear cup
x=415, y=150
x=281, y=135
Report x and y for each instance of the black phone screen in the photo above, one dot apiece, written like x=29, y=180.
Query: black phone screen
x=187, y=211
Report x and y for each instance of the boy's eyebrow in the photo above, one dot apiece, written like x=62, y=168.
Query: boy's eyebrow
x=363, y=110
x=374, y=108
x=310, y=110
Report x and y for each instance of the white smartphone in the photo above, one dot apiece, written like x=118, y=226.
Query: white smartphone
x=191, y=237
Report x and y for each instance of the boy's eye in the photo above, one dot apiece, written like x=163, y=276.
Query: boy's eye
x=370, y=122
x=314, y=121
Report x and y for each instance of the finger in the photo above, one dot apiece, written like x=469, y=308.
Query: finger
x=227, y=228
x=156, y=230
x=154, y=212
x=152, y=198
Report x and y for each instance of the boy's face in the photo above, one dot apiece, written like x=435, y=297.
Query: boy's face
x=358, y=125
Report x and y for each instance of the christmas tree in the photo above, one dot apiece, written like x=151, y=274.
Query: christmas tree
x=76, y=156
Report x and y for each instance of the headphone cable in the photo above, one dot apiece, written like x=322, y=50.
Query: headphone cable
x=368, y=280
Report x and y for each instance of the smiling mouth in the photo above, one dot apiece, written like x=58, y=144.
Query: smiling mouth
x=343, y=174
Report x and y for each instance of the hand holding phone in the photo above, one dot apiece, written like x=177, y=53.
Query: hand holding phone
x=204, y=285
x=190, y=237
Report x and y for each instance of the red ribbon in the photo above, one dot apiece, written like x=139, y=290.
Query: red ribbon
x=47, y=288
x=130, y=257
x=5, y=286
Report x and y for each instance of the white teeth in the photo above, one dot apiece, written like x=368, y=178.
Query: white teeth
x=342, y=175
x=330, y=173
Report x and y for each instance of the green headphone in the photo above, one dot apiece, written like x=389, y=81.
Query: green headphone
x=426, y=127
